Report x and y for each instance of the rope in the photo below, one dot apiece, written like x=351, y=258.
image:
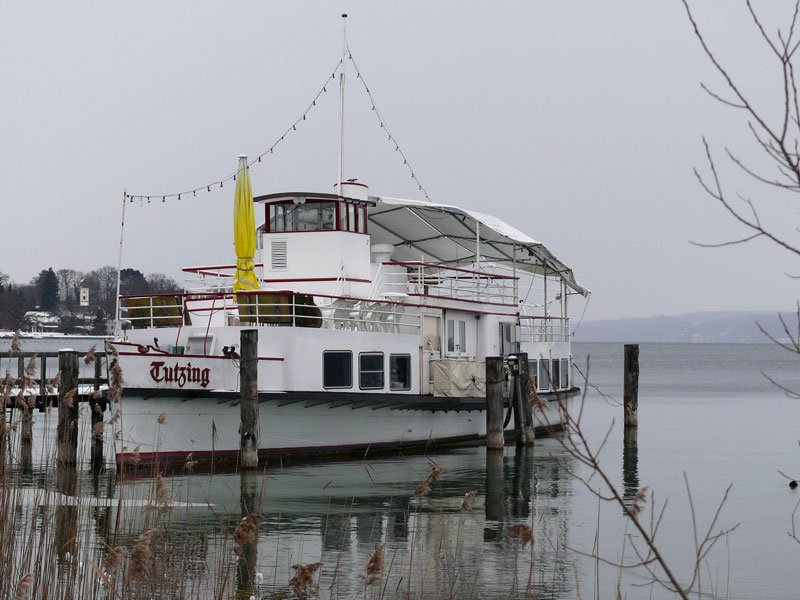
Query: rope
x=383, y=124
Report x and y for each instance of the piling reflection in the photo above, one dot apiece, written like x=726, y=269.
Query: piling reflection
x=247, y=542
x=66, y=531
x=495, y=490
x=630, y=465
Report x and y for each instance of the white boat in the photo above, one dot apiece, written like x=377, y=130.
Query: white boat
x=374, y=316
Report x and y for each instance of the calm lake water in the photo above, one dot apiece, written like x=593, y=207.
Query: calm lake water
x=706, y=414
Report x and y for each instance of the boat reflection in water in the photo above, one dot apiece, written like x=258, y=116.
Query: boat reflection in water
x=443, y=542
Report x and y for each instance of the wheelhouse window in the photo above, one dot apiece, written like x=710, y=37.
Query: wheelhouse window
x=564, y=373
x=370, y=370
x=337, y=369
x=316, y=215
x=304, y=216
x=361, y=226
x=399, y=372
x=534, y=374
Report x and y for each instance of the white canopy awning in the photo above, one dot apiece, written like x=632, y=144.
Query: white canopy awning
x=445, y=234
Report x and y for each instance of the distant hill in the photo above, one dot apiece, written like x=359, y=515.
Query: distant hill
x=704, y=327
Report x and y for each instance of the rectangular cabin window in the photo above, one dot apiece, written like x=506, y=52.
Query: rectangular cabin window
x=342, y=211
x=564, y=373
x=351, y=217
x=532, y=366
x=399, y=372
x=544, y=374
x=370, y=370
x=456, y=336
x=337, y=369
x=555, y=376
x=451, y=335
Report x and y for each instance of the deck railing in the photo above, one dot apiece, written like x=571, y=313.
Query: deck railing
x=453, y=283
x=544, y=329
x=407, y=278
x=269, y=308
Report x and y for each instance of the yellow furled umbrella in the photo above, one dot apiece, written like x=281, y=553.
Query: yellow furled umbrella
x=244, y=230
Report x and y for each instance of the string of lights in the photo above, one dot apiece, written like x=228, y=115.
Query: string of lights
x=219, y=183
x=385, y=127
x=232, y=177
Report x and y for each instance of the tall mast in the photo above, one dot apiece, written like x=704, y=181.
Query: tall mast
x=341, y=105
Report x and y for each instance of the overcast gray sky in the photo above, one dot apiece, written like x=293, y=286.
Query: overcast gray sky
x=578, y=122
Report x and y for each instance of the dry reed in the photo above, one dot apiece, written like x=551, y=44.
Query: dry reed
x=15, y=345
x=374, y=567
x=115, y=379
x=522, y=532
x=24, y=586
x=69, y=397
x=302, y=583
x=466, y=503
x=246, y=532
x=140, y=567
x=90, y=356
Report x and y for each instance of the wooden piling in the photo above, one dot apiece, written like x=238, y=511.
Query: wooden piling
x=525, y=398
x=495, y=439
x=248, y=369
x=67, y=430
x=516, y=403
x=97, y=406
x=631, y=381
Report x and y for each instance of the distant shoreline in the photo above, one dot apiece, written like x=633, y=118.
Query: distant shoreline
x=731, y=327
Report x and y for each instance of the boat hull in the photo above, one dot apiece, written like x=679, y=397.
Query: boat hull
x=169, y=429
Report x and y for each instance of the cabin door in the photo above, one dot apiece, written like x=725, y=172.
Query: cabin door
x=461, y=335
x=431, y=350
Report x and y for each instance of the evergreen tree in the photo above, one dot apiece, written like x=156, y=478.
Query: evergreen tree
x=47, y=289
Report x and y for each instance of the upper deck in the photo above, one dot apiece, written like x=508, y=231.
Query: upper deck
x=371, y=263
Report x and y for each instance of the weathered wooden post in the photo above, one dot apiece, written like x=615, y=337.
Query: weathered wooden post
x=26, y=433
x=248, y=365
x=525, y=398
x=96, y=407
x=67, y=429
x=631, y=390
x=516, y=404
x=495, y=438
